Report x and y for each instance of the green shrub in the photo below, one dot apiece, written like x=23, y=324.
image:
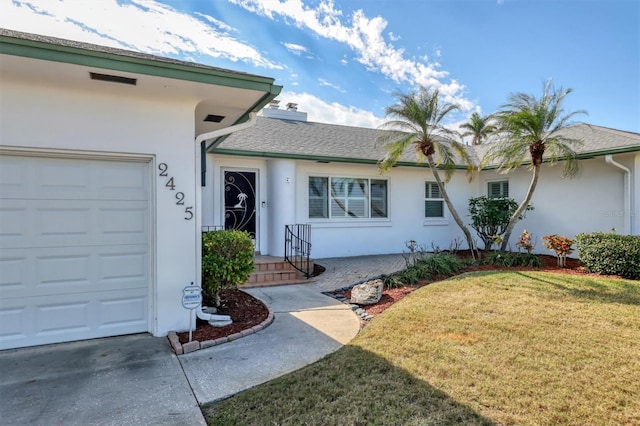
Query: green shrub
x=610, y=254
x=442, y=264
x=227, y=261
x=392, y=281
x=424, y=269
x=507, y=258
x=490, y=217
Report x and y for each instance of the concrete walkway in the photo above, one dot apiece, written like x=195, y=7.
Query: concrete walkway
x=345, y=271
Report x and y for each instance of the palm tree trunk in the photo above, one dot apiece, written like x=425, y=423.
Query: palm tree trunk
x=521, y=208
x=452, y=209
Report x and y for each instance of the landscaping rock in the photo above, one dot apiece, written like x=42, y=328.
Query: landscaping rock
x=367, y=293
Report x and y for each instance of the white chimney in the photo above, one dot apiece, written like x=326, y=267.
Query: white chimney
x=291, y=113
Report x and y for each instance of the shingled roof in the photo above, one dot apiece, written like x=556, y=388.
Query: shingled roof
x=281, y=138
x=304, y=140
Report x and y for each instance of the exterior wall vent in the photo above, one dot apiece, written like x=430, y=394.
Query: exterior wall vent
x=212, y=118
x=113, y=78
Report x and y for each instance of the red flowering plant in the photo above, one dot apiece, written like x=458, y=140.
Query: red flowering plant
x=525, y=241
x=561, y=245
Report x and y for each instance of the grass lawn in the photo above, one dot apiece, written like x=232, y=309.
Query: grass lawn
x=525, y=348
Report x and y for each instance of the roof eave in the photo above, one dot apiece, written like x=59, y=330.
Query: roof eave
x=316, y=158
x=151, y=65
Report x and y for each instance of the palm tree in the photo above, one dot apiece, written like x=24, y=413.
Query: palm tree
x=479, y=127
x=417, y=119
x=529, y=128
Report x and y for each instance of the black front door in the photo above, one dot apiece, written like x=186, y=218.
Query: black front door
x=240, y=201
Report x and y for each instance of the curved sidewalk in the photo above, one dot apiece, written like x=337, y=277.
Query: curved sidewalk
x=308, y=325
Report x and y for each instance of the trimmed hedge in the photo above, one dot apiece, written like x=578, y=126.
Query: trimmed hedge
x=610, y=254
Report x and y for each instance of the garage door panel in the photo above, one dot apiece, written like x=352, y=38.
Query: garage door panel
x=68, y=179
x=53, y=319
x=74, y=249
x=29, y=224
x=32, y=272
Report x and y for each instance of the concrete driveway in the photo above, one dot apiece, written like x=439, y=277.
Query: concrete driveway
x=138, y=380
x=127, y=380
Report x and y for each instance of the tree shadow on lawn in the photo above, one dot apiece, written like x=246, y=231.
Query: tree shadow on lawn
x=349, y=387
x=619, y=291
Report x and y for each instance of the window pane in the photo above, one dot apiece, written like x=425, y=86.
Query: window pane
x=318, y=197
x=357, y=207
x=338, y=187
x=357, y=188
x=432, y=190
x=379, y=198
x=498, y=189
x=433, y=208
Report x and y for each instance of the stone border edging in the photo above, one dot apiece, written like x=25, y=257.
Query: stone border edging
x=195, y=345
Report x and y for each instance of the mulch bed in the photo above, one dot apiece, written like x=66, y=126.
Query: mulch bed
x=393, y=295
x=244, y=309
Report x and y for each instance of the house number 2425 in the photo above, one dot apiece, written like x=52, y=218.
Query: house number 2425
x=171, y=184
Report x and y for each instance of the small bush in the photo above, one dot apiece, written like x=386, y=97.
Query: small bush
x=610, y=254
x=507, y=258
x=442, y=264
x=392, y=281
x=227, y=261
x=425, y=268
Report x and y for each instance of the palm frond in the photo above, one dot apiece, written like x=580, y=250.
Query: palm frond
x=526, y=120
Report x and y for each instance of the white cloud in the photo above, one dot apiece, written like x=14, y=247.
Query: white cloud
x=296, y=49
x=332, y=113
x=365, y=36
x=326, y=83
x=141, y=25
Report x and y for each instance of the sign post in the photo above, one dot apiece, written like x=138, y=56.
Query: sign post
x=191, y=299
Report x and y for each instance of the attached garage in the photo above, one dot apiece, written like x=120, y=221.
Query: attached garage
x=75, y=248
x=100, y=184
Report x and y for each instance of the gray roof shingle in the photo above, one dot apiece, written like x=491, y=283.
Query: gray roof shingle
x=271, y=137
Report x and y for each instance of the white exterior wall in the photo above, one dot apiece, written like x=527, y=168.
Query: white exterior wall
x=593, y=201
x=635, y=191
x=341, y=238
x=46, y=119
x=281, y=190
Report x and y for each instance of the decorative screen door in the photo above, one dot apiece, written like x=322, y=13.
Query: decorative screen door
x=240, y=201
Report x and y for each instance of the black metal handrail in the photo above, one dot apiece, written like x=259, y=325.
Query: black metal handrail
x=297, y=247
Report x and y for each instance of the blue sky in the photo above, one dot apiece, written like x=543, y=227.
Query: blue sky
x=342, y=60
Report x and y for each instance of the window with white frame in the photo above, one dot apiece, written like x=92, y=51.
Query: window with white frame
x=498, y=189
x=342, y=198
x=433, y=201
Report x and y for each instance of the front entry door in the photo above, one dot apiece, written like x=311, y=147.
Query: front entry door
x=240, y=201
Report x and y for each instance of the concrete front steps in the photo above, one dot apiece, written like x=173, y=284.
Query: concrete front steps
x=272, y=271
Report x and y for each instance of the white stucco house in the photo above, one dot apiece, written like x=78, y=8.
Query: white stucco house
x=100, y=185
x=325, y=175
x=105, y=186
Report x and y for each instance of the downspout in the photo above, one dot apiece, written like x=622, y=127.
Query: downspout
x=627, y=182
x=218, y=319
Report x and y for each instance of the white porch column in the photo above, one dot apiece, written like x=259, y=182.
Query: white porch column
x=281, y=204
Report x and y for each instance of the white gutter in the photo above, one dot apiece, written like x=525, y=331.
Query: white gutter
x=221, y=319
x=627, y=186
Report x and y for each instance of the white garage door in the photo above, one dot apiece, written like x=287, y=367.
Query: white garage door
x=74, y=249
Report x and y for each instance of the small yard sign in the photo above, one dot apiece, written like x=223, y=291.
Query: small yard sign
x=191, y=299
x=191, y=296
